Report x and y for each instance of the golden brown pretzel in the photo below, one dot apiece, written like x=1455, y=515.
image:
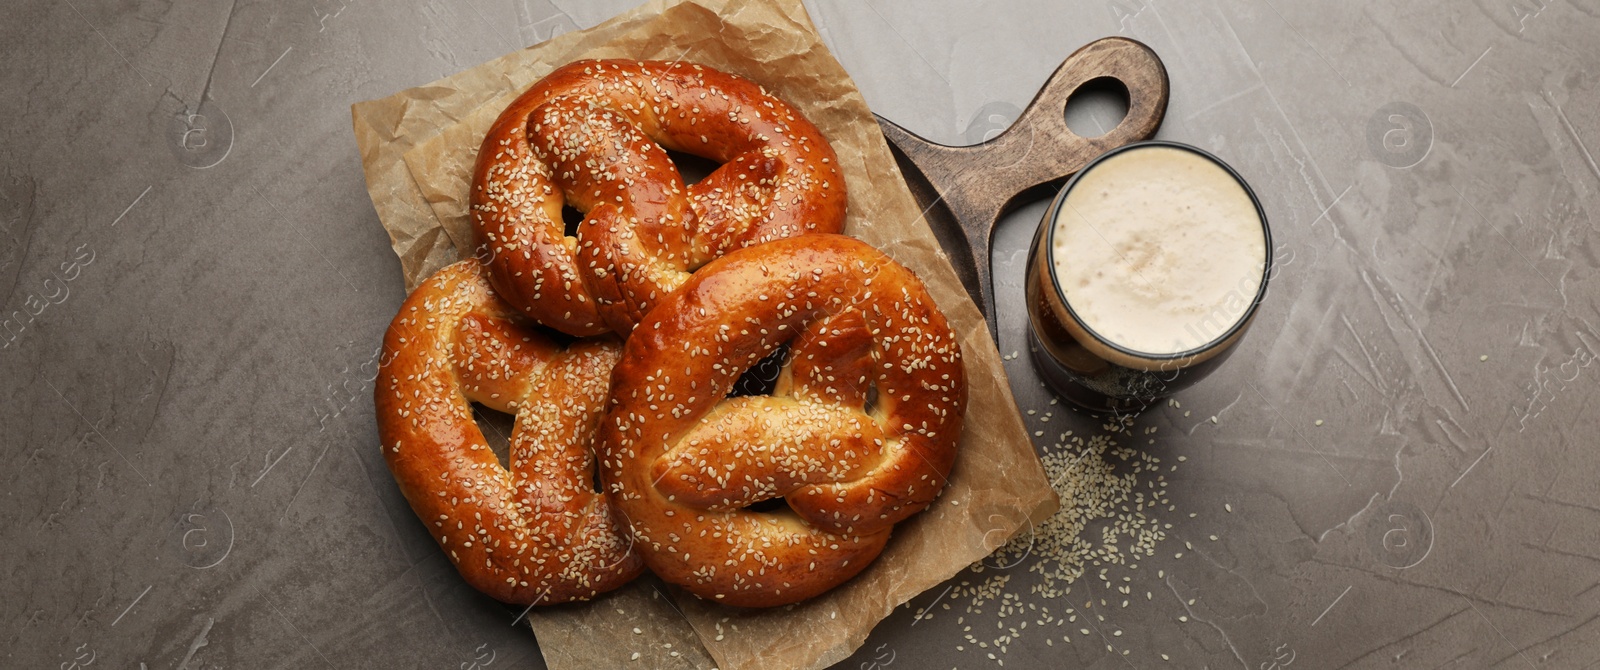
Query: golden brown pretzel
x=682, y=461
x=591, y=135
x=538, y=533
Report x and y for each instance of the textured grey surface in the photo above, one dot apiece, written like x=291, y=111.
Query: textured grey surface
x=195, y=284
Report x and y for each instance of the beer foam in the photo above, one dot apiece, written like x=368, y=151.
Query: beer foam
x=1158, y=250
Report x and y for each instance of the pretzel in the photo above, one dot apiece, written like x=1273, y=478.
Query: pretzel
x=591, y=135
x=538, y=533
x=682, y=461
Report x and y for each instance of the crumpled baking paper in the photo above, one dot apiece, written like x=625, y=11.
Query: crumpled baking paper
x=418, y=147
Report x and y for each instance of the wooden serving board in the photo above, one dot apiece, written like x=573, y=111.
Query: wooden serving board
x=963, y=191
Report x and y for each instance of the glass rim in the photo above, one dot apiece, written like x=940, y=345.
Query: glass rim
x=1233, y=329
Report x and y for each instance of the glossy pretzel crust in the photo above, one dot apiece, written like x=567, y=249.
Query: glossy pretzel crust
x=538, y=533
x=859, y=434
x=590, y=135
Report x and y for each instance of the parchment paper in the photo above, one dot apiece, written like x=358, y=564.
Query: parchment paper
x=417, y=148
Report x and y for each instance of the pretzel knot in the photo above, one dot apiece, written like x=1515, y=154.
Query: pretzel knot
x=538, y=533
x=591, y=135
x=859, y=433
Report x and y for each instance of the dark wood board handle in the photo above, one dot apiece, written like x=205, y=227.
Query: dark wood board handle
x=965, y=190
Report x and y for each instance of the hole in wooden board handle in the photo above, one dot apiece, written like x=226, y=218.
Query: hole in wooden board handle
x=1094, y=95
x=1133, y=66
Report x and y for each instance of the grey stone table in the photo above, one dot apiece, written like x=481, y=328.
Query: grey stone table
x=1401, y=471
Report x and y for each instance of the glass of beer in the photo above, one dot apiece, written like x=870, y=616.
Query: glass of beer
x=1146, y=271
